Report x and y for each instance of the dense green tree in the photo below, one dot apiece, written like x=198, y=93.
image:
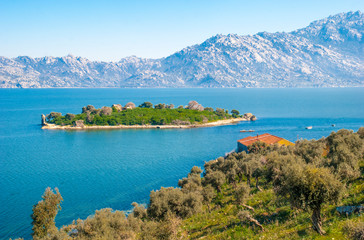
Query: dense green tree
x=69, y=116
x=44, y=214
x=52, y=116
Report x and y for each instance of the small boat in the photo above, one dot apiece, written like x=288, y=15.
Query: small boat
x=246, y=130
x=333, y=125
x=309, y=127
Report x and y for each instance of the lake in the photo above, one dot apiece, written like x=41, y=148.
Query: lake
x=113, y=168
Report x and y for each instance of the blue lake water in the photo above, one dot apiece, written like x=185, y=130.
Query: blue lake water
x=113, y=168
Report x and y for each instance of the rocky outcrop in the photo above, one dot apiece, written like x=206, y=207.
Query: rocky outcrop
x=248, y=115
x=106, y=111
x=79, y=123
x=130, y=105
x=118, y=107
x=44, y=122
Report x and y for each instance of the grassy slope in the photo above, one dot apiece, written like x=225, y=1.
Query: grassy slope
x=276, y=215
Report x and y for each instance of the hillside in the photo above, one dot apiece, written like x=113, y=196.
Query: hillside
x=327, y=53
x=313, y=190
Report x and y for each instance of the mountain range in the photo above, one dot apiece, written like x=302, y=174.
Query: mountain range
x=327, y=53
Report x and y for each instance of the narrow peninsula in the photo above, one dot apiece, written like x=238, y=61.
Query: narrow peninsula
x=146, y=115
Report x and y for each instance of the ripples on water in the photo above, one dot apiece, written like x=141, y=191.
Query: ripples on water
x=113, y=168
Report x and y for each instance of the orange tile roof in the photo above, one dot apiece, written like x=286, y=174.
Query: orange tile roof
x=266, y=137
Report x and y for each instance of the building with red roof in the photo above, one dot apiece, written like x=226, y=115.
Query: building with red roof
x=266, y=138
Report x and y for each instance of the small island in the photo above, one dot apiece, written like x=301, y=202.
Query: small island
x=146, y=115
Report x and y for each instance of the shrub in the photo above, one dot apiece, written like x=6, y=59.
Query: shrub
x=354, y=230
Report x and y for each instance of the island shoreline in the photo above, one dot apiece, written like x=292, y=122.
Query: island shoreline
x=95, y=127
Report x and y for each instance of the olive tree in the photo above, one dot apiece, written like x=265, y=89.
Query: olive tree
x=105, y=224
x=310, y=150
x=215, y=179
x=173, y=201
x=257, y=147
x=360, y=132
x=345, y=152
x=193, y=182
x=44, y=214
x=309, y=187
x=208, y=194
x=257, y=169
x=139, y=211
x=246, y=168
x=241, y=194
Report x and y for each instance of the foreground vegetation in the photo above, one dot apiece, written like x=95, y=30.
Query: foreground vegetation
x=271, y=193
x=145, y=114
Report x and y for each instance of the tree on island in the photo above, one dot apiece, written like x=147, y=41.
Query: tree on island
x=160, y=106
x=146, y=105
x=235, y=113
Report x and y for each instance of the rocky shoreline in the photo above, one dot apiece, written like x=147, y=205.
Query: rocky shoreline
x=85, y=127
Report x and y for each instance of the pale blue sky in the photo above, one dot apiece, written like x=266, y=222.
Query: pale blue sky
x=110, y=30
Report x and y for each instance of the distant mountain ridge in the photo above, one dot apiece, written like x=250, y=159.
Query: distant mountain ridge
x=327, y=53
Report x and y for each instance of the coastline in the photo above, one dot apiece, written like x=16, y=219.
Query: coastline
x=209, y=124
